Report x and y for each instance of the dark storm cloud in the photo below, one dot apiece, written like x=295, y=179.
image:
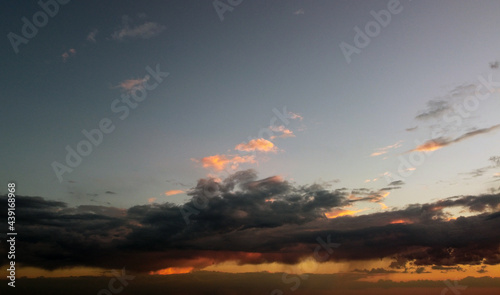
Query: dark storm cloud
x=269, y=218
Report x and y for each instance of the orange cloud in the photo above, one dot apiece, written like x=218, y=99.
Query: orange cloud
x=259, y=144
x=220, y=162
x=294, y=116
x=434, y=144
x=130, y=84
x=429, y=146
x=173, y=192
x=285, y=132
x=151, y=200
x=341, y=212
x=383, y=150
x=172, y=270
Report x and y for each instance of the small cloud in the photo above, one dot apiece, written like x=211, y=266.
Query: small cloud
x=221, y=162
x=299, y=12
x=144, y=31
x=91, y=36
x=129, y=85
x=396, y=183
x=295, y=116
x=411, y=129
x=494, y=65
x=173, y=192
x=151, y=200
x=260, y=144
x=283, y=130
x=110, y=193
x=495, y=160
x=68, y=54
x=384, y=150
x=420, y=270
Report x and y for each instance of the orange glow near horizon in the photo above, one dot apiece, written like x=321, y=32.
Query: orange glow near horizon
x=398, y=221
x=172, y=270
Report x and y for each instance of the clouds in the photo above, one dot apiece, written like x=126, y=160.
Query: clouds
x=438, y=143
x=173, y=192
x=384, y=150
x=299, y=12
x=438, y=107
x=248, y=152
x=131, y=84
x=259, y=144
x=146, y=30
x=66, y=55
x=221, y=162
x=239, y=218
x=91, y=36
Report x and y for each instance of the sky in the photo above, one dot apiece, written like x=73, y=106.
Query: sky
x=165, y=136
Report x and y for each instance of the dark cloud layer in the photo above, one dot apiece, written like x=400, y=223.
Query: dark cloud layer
x=249, y=220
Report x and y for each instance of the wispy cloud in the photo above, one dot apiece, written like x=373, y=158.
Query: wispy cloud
x=435, y=144
x=299, y=12
x=260, y=144
x=144, y=31
x=129, y=85
x=91, y=36
x=284, y=132
x=384, y=150
x=439, y=106
x=295, y=116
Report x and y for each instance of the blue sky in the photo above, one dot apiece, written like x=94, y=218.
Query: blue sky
x=226, y=77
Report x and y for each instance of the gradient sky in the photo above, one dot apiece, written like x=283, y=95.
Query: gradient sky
x=349, y=127
x=226, y=78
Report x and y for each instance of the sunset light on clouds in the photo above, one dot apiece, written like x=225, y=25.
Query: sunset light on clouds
x=250, y=147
